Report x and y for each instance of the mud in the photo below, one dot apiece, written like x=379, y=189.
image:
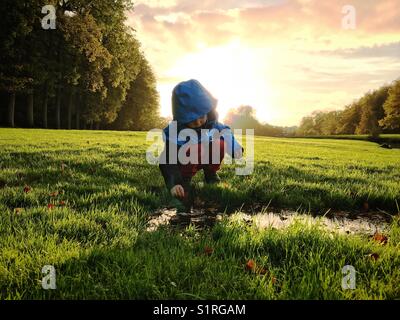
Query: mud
x=341, y=222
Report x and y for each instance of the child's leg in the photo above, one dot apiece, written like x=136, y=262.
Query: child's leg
x=212, y=168
x=189, y=170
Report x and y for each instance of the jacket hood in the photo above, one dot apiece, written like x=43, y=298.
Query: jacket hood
x=190, y=101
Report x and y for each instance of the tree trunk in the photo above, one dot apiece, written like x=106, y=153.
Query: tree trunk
x=69, y=110
x=77, y=120
x=45, y=102
x=31, y=123
x=58, y=109
x=11, y=110
x=97, y=126
x=91, y=125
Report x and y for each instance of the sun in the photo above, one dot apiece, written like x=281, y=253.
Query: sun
x=229, y=72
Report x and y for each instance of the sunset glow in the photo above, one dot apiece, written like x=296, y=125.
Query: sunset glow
x=230, y=73
x=284, y=58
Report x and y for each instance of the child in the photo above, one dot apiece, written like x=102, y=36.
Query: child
x=194, y=108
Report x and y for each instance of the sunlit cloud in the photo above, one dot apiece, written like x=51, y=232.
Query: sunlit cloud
x=284, y=58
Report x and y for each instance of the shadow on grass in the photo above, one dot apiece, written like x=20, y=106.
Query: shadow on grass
x=300, y=263
x=287, y=187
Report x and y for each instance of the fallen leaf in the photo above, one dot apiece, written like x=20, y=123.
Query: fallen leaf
x=378, y=237
x=262, y=271
x=17, y=211
x=208, y=250
x=62, y=203
x=374, y=256
x=54, y=194
x=250, y=265
x=63, y=166
x=27, y=189
x=50, y=206
x=274, y=280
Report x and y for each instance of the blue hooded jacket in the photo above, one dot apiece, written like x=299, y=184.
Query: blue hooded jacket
x=190, y=101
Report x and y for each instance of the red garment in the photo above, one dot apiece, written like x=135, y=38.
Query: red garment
x=189, y=170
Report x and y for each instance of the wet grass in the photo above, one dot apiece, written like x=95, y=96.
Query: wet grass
x=88, y=196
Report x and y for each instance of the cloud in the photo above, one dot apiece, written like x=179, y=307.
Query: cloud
x=301, y=46
x=386, y=50
x=190, y=6
x=315, y=24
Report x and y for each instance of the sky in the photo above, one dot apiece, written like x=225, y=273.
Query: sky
x=285, y=58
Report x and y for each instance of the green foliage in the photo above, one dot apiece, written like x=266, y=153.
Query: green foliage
x=372, y=114
x=324, y=123
x=349, y=119
x=372, y=111
x=83, y=37
x=88, y=63
x=140, y=111
x=392, y=108
x=16, y=26
x=244, y=117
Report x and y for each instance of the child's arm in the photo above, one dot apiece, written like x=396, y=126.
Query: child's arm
x=236, y=149
x=233, y=148
x=170, y=171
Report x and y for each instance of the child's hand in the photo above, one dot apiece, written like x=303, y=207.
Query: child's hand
x=178, y=191
x=238, y=154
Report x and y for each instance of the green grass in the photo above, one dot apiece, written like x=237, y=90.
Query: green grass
x=95, y=235
x=390, y=138
x=317, y=175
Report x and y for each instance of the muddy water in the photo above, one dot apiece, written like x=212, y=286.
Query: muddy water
x=341, y=222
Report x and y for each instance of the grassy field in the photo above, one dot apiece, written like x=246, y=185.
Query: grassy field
x=80, y=200
x=393, y=139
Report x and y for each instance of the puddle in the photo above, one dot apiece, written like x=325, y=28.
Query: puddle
x=199, y=217
x=341, y=222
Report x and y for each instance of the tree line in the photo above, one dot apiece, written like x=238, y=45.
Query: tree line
x=376, y=112
x=87, y=73
x=244, y=117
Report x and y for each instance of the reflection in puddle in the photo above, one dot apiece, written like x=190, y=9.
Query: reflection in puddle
x=197, y=217
x=341, y=222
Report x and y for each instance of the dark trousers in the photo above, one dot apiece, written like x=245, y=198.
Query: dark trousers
x=189, y=170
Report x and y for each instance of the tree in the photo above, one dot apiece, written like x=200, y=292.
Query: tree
x=330, y=125
x=392, y=108
x=87, y=57
x=372, y=112
x=91, y=58
x=306, y=127
x=141, y=108
x=349, y=119
x=15, y=27
x=244, y=117
x=126, y=65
